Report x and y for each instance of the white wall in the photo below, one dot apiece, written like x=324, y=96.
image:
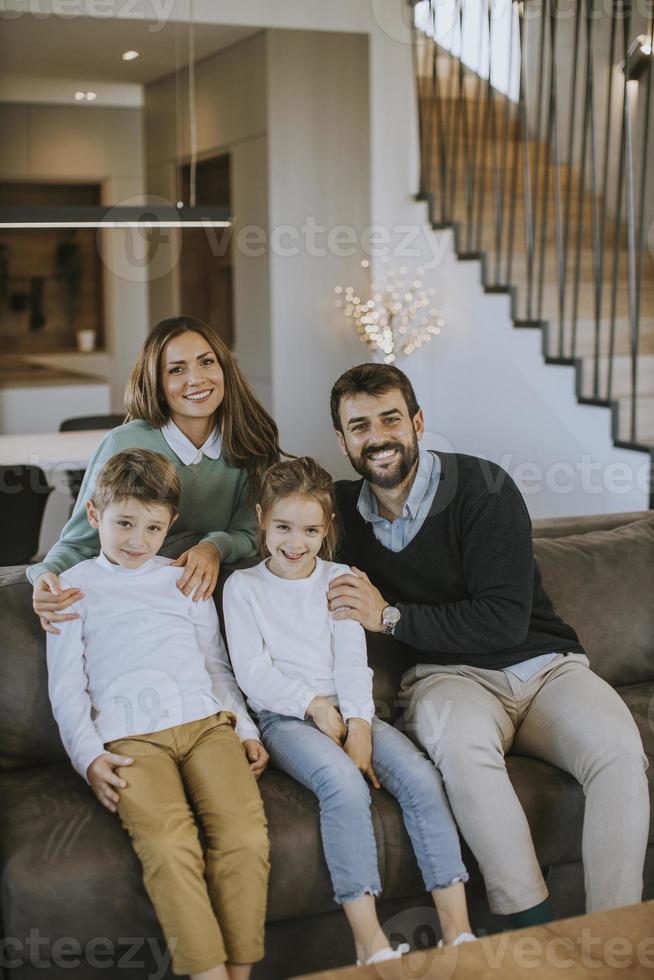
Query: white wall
x=486, y=390
x=318, y=168
x=41, y=408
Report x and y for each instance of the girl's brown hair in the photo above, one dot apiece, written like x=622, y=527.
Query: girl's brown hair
x=249, y=435
x=306, y=477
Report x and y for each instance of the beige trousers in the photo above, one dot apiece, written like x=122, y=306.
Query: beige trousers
x=210, y=905
x=468, y=718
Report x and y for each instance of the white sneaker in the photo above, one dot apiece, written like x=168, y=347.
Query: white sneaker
x=463, y=937
x=388, y=953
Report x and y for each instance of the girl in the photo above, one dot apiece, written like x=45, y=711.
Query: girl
x=187, y=399
x=306, y=675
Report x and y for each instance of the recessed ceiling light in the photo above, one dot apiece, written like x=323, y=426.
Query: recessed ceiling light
x=80, y=96
x=91, y=96
x=130, y=55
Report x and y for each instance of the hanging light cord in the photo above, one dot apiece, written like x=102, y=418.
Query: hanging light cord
x=178, y=116
x=191, y=101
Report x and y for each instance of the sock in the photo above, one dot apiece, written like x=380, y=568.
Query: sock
x=537, y=915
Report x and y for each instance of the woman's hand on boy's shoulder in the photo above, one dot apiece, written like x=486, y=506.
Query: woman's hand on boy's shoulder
x=201, y=567
x=104, y=780
x=256, y=756
x=49, y=599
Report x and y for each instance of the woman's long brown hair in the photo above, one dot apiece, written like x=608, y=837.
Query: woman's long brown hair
x=249, y=435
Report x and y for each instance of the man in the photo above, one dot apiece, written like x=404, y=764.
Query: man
x=440, y=545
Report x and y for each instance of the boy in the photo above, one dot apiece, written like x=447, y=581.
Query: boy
x=142, y=680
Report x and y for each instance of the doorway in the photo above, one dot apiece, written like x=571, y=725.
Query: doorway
x=206, y=287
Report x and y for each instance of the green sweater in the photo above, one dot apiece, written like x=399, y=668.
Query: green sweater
x=214, y=503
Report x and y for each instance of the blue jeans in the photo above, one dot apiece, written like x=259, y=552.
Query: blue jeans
x=305, y=753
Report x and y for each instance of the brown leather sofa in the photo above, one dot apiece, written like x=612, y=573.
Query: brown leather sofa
x=71, y=892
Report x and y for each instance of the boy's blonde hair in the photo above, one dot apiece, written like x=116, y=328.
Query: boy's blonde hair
x=300, y=476
x=140, y=473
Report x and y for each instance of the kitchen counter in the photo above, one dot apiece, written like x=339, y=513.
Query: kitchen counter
x=20, y=372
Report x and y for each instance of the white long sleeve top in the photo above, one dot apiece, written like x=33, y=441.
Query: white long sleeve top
x=141, y=658
x=286, y=647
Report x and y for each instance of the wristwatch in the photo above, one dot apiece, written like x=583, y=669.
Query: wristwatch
x=390, y=619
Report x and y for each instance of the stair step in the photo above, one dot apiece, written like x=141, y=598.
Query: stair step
x=621, y=383
x=585, y=343
x=644, y=419
x=457, y=207
x=586, y=271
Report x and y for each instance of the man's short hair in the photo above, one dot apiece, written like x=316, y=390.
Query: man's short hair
x=140, y=473
x=371, y=379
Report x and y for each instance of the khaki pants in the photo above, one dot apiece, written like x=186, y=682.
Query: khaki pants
x=211, y=906
x=468, y=718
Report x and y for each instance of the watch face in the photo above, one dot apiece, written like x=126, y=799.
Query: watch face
x=390, y=616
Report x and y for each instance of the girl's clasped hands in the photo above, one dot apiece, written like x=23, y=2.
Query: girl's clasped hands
x=355, y=738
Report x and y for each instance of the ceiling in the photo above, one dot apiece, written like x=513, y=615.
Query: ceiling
x=89, y=49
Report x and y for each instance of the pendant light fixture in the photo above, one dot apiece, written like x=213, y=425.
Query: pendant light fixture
x=141, y=216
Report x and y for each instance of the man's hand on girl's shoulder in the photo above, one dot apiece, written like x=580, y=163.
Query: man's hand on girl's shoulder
x=353, y=596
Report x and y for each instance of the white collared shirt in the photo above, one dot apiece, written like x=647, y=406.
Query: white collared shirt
x=182, y=446
x=396, y=535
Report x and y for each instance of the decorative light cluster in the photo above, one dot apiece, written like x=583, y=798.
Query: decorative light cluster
x=398, y=319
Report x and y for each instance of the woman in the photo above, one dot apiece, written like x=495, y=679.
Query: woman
x=187, y=399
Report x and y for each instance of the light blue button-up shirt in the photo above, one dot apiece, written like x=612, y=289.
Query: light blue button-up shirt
x=396, y=535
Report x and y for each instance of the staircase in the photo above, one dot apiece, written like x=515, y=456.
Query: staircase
x=574, y=268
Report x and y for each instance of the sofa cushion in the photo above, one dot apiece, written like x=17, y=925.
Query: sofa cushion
x=51, y=821
x=639, y=698
x=602, y=583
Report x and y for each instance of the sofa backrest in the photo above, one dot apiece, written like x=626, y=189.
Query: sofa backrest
x=602, y=583
x=28, y=732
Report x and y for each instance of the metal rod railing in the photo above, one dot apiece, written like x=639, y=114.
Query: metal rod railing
x=505, y=187
x=572, y=112
x=558, y=160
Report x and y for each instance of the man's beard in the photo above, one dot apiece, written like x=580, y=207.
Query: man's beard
x=394, y=475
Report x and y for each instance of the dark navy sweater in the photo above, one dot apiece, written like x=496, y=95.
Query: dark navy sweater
x=467, y=584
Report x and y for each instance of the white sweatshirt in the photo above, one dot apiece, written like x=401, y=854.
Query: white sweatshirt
x=286, y=647
x=142, y=657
